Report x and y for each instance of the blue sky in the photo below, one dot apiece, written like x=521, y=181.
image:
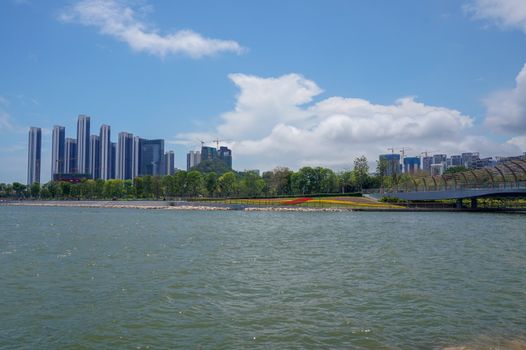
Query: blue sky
x=286, y=83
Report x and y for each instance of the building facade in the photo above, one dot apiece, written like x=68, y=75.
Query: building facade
x=105, y=152
x=208, y=153
x=94, y=151
x=34, y=155
x=193, y=158
x=71, y=156
x=391, y=164
x=169, y=163
x=83, y=137
x=124, y=156
x=113, y=161
x=225, y=155
x=58, y=150
x=411, y=165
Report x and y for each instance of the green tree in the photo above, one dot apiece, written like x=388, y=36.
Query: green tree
x=456, y=169
x=210, y=183
x=251, y=184
x=168, y=186
x=226, y=184
x=19, y=189
x=194, y=183
x=212, y=166
x=360, y=172
x=180, y=183
x=34, y=189
x=138, y=185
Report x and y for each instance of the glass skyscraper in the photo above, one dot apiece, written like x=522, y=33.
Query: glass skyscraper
x=71, y=156
x=83, y=136
x=58, y=151
x=34, y=155
x=105, y=152
x=151, y=156
x=124, y=156
x=94, y=151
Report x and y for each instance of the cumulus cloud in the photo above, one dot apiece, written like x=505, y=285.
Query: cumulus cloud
x=116, y=19
x=277, y=121
x=504, y=13
x=506, y=110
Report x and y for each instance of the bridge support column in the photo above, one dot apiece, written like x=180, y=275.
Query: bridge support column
x=458, y=203
x=474, y=203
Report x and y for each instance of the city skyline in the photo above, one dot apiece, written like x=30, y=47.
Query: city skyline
x=444, y=76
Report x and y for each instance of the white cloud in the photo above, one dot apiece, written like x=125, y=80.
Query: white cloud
x=506, y=110
x=276, y=122
x=114, y=18
x=504, y=13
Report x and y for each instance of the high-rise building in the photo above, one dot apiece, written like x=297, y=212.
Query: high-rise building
x=411, y=165
x=426, y=164
x=391, y=163
x=456, y=160
x=105, y=152
x=225, y=154
x=439, y=158
x=94, y=151
x=71, y=156
x=34, y=155
x=169, y=163
x=468, y=158
x=83, y=135
x=113, y=161
x=151, y=157
x=58, y=150
x=208, y=153
x=124, y=156
x=193, y=158
x=136, y=157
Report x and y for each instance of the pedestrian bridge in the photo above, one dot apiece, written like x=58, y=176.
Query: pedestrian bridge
x=507, y=179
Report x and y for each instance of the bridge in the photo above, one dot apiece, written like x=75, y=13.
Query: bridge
x=506, y=179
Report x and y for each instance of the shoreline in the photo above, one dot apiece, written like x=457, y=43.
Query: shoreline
x=199, y=206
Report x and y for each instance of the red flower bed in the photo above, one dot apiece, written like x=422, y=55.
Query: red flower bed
x=297, y=201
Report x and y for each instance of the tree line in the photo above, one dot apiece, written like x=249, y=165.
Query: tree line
x=280, y=181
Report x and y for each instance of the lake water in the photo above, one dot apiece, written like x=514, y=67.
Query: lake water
x=152, y=279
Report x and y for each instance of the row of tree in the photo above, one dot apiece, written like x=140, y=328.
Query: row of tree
x=278, y=182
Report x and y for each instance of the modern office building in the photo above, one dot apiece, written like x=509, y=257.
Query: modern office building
x=58, y=150
x=426, y=164
x=208, y=153
x=136, y=157
x=392, y=164
x=469, y=158
x=225, y=154
x=124, y=156
x=456, y=160
x=94, y=152
x=169, y=163
x=34, y=155
x=71, y=156
x=193, y=158
x=439, y=158
x=105, y=152
x=113, y=161
x=83, y=137
x=411, y=165
x=438, y=169
x=152, y=157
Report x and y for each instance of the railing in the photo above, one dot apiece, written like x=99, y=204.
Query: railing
x=521, y=185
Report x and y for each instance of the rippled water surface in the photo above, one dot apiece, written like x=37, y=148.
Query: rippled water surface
x=122, y=278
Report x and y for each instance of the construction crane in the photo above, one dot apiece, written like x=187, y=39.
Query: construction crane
x=218, y=140
x=402, y=151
